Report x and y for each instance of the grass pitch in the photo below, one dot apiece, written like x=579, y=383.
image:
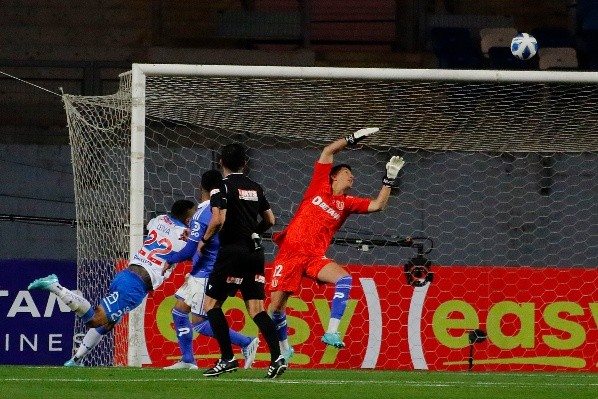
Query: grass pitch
x=24, y=382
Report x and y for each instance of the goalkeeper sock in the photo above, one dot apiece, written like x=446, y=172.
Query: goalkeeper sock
x=339, y=302
x=236, y=338
x=280, y=321
x=220, y=329
x=90, y=341
x=184, y=334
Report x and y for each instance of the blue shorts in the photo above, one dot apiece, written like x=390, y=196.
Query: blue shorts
x=127, y=291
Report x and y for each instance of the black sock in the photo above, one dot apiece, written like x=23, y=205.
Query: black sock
x=220, y=328
x=268, y=329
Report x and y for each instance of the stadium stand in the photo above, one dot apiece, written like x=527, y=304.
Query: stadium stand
x=558, y=58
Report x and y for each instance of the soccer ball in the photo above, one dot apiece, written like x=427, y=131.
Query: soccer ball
x=524, y=46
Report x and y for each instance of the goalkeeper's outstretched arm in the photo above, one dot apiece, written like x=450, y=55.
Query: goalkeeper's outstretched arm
x=390, y=180
x=328, y=152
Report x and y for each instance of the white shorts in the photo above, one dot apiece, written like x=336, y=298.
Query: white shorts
x=192, y=292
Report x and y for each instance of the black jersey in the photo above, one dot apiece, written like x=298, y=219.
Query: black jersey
x=243, y=200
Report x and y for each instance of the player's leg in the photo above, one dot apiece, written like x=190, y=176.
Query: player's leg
x=335, y=274
x=127, y=291
x=184, y=334
x=254, y=294
x=248, y=345
x=284, y=280
x=219, y=325
x=278, y=305
x=256, y=309
x=75, y=302
x=187, y=297
x=196, y=287
x=90, y=341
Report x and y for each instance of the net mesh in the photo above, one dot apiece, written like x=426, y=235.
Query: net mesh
x=497, y=174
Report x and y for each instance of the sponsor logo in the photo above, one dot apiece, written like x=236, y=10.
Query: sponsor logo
x=248, y=195
x=318, y=201
x=234, y=280
x=260, y=279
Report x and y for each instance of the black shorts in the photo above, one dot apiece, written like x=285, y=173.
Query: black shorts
x=238, y=267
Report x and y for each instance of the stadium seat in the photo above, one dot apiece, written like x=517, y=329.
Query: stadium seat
x=558, y=58
x=501, y=58
x=553, y=37
x=495, y=37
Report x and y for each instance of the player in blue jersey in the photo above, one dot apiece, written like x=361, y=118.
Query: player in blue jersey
x=190, y=296
x=129, y=287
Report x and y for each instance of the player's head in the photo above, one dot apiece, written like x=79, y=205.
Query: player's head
x=341, y=177
x=233, y=157
x=210, y=180
x=183, y=210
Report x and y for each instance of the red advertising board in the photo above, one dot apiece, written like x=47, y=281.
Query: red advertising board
x=535, y=319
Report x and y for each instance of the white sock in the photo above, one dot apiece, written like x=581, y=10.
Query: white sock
x=284, y=345
x=90, y=341
x=75, y=302
x=333, y=326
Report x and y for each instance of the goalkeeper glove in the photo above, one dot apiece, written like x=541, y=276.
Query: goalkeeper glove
x=392, y=170
x=359, y=135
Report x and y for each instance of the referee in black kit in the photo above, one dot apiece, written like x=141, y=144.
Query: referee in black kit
x=240, y=261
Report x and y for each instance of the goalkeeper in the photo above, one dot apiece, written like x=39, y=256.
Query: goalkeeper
x=304, y=242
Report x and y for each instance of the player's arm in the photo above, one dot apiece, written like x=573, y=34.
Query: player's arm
x=218, y=207
x=393, y=166
x=328, y=152
x=214, y=226
x=379, y=203
x=268, y=220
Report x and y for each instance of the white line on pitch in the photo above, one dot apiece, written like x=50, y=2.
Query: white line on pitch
x=318, y=382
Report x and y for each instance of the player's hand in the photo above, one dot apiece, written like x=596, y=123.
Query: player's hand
x=200, y=247
x=185, y=235
x=361, y=134
x=166, y=267
x=393, y=166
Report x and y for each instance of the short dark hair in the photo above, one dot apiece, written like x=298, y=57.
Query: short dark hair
x=180, y=209
x=211, y=179
x=335, y=169
x=233, y=157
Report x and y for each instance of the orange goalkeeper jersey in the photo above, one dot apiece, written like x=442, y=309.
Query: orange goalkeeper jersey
x=319, y=216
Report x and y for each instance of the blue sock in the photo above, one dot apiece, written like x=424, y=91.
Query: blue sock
x=341, y=296
x=184, y=335
x=280, y=321
x=204, y=328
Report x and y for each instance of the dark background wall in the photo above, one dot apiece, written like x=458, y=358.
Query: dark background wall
x=80, y=47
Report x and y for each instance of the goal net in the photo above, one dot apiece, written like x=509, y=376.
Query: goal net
x=499, y=192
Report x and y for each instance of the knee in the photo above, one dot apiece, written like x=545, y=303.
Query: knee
x=98, y=319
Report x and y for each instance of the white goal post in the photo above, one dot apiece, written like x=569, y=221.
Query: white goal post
x=497, y=161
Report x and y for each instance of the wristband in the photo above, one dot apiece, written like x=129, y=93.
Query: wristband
x=390, y=182
x=205, y=241
x=352, y=140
